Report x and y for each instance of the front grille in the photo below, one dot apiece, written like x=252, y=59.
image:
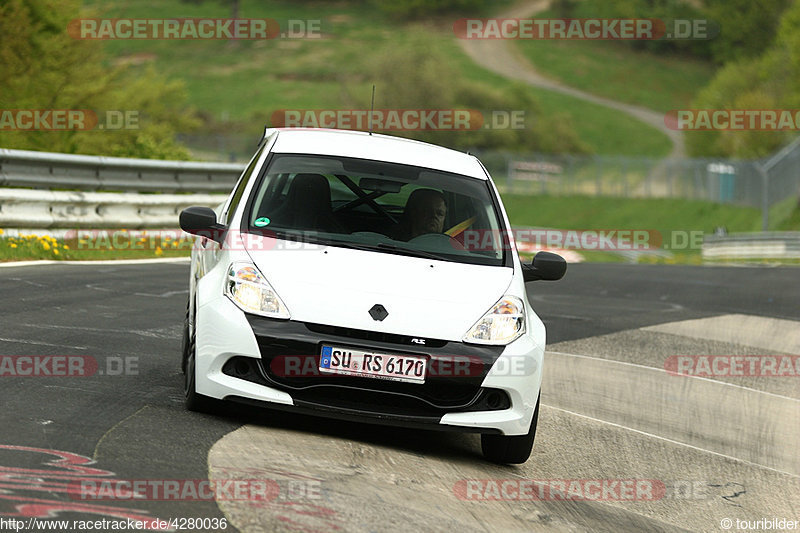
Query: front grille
x=359, y=398
x=282, y=340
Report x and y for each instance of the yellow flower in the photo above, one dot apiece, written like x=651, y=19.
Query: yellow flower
x=12, y=245
x=55, y=251
x=1, y=231
x=66, y=247
x=159, y=251
x=45, y=246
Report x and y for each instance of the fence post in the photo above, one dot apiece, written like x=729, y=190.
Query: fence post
x=764, y=196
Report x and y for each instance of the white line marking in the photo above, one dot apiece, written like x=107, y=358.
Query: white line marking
x=162, y=295
x=656, y=369
x=39, y=343
x=159, y=333
x=671, y=441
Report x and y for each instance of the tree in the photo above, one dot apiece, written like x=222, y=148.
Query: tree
x=43, y=68
x=769, y=81
x=747, y=27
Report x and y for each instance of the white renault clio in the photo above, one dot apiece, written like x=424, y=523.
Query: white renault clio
x=370, y=278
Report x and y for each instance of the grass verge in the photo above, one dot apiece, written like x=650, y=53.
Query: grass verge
x=31, y=247
x=662, y=214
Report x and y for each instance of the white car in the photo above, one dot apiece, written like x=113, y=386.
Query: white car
x=370, y=278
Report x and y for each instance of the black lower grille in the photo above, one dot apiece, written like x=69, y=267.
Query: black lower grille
x=280, y=341
x=366, y=400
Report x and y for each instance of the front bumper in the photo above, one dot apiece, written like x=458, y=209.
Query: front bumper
x=239, y=358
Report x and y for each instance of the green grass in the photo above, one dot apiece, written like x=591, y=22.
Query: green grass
x=615, y=71
x=245, y=81
x=785, y=215
x=37, y=247
x=790, y=223
x=673, y=219
x=661, y=214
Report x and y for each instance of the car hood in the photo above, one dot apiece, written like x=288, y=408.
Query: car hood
x=424, y=298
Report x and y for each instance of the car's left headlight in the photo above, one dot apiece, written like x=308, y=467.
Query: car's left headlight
x=252, y=293
x=503, y=323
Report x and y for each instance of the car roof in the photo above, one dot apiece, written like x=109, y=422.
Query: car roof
x=359, y=144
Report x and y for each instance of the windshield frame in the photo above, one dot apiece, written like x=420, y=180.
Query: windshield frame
x=247, y=210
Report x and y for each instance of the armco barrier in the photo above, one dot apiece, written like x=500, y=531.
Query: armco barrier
x=44, y=170
x=26, y=208
x=766, y=245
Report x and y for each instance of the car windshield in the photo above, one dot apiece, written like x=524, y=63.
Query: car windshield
x=379, y=206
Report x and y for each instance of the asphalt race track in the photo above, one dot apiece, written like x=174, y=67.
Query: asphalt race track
x=715, y=448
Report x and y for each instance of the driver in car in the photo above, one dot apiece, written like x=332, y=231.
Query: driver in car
x=424, y=213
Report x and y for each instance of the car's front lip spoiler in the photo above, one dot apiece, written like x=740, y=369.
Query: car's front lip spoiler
x=363, y=416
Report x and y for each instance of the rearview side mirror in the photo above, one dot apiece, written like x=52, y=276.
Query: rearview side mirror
x=202, y=221
x=545, y=266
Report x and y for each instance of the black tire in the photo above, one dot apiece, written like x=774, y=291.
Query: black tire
x=510, y=449
x=185, y=343
x=194, y=402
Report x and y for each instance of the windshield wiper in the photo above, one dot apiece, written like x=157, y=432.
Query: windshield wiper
x=385, y=247
x=408, y=251
x=381, y=246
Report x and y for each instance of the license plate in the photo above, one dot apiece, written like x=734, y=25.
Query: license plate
x=408, y=368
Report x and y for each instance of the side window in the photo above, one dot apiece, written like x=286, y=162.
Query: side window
x=240, y=187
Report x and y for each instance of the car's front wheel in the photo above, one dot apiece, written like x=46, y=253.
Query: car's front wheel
x=193, y=401
x=513, y=449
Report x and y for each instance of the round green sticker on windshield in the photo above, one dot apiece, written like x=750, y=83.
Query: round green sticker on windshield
x=261, y=222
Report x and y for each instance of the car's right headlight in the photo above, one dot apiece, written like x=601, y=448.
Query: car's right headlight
x=501, y=324
x=252, y=293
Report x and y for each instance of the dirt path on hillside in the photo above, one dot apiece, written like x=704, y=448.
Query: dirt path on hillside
x=501, y=57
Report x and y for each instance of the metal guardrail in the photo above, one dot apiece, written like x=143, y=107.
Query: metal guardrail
x=31, y=209
x=44, y=170
x=763, y=245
